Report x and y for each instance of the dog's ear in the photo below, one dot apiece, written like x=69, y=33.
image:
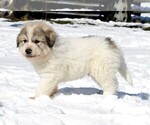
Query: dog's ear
x=50, y=37
x=17, y=40
x=17, y=44
x=23, y=31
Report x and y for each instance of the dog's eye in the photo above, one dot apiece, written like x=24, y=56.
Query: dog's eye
x=36, y=41
x=24, y=41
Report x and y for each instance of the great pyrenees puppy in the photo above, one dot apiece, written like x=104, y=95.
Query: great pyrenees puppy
x=60, y=59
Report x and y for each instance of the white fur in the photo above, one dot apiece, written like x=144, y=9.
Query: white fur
x=73, y=58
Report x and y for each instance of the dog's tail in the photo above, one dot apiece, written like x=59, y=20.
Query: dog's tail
x=125, y=73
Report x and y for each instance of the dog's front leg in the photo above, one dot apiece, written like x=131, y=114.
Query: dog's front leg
x=47, y=86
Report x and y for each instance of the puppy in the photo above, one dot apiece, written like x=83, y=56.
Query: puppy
x=58, y=59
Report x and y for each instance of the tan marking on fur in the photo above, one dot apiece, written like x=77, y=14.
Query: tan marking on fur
x=111, y=43
x=49, y=32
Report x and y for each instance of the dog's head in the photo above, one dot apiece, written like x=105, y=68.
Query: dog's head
x=36, y=40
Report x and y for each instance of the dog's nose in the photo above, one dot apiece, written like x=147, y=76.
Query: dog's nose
x=28, y=51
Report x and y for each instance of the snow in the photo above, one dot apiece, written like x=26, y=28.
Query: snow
x=78, y=102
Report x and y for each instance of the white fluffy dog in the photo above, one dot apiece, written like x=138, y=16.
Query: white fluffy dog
x=58, y=59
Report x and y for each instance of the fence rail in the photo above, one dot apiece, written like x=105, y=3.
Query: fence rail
x=98, y=9
x=46, y=5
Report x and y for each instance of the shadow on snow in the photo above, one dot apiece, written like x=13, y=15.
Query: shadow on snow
x=90, y=91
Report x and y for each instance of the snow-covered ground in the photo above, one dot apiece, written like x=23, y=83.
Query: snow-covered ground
x=78, y=102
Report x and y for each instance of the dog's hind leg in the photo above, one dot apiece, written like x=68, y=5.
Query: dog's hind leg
x=104, y=74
